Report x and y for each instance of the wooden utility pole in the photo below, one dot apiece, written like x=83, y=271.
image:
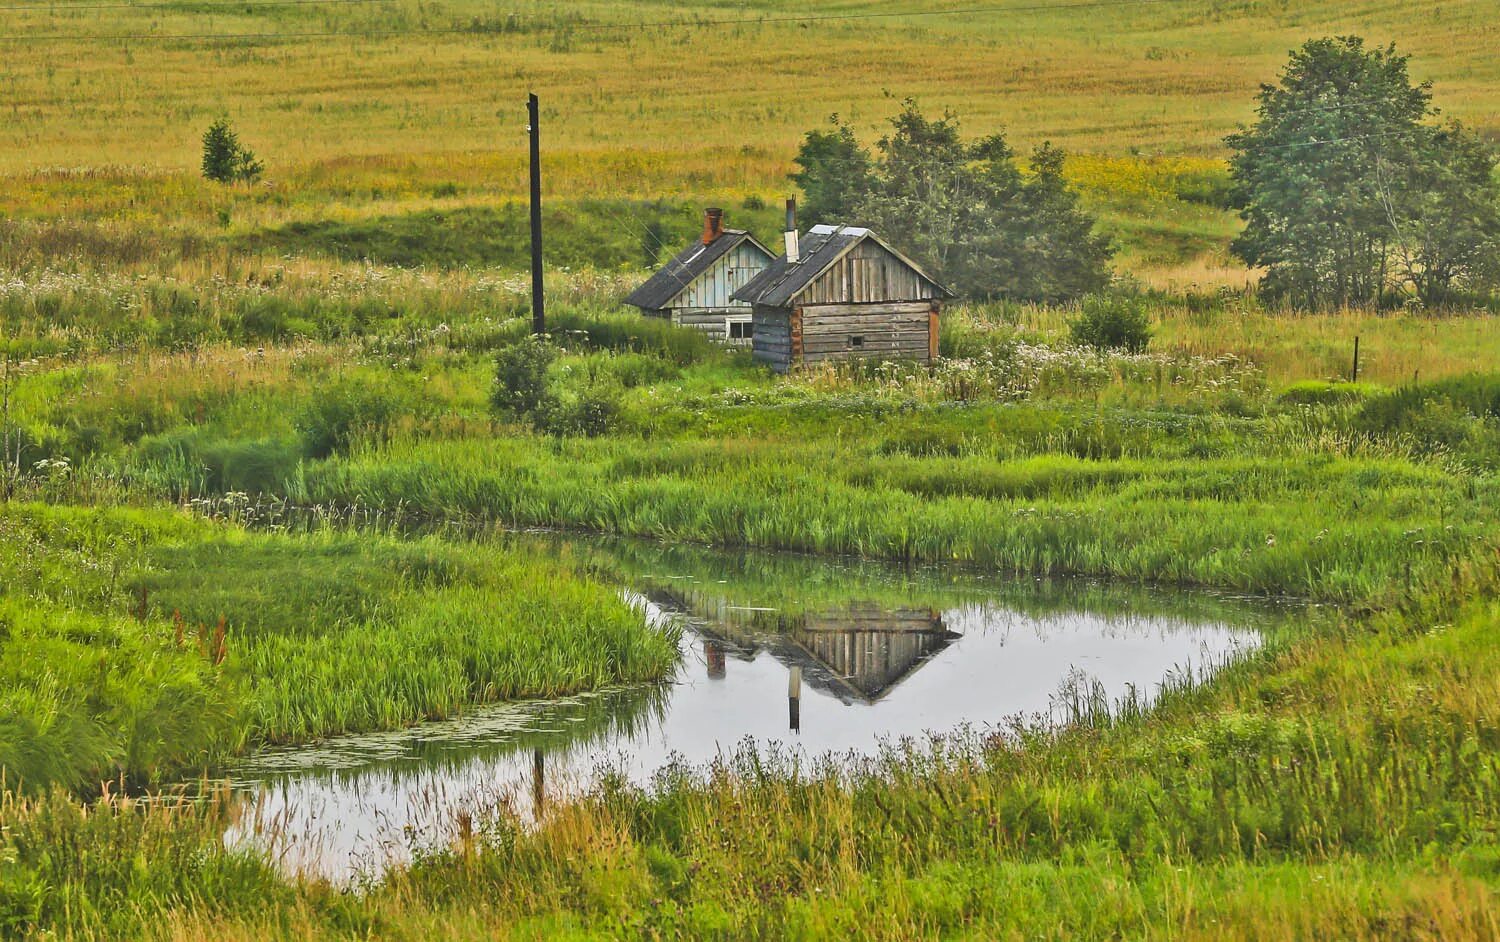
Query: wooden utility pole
x=794, y=699
x=533, y=130
x=1354, y=373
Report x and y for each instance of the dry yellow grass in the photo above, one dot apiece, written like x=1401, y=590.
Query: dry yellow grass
x=370, y=108
x=1395, y=348
x=665, y=107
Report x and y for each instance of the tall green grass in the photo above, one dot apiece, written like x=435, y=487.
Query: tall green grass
x=155, y=644
x=1334, y=529
x=1340, y=784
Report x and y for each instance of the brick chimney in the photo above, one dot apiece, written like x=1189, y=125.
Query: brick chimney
x=713, y=224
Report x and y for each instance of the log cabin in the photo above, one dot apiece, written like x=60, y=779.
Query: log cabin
x=695, y=288
x=841, y=293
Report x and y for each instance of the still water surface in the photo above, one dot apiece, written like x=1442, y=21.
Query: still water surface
x=800, y=655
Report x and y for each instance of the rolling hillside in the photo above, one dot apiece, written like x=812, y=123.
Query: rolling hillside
x=367, y=110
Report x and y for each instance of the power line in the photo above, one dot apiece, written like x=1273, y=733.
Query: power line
x=231, y=5
x=581, y=27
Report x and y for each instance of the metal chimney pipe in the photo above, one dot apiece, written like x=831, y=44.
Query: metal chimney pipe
x=792, y=254
x=713, y=224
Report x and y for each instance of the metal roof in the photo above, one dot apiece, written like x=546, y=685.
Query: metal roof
x=658, y=291
x=819, y=249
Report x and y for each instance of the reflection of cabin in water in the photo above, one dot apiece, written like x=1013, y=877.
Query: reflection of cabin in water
x=695, y=289
x=859, y=652
x=867, y=651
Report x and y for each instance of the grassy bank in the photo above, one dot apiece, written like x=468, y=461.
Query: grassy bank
x=1342, y=786
x=146, y=644
x=1018, y=452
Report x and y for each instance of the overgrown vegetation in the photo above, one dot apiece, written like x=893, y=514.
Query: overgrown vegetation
x=181, y=362
x=1275, y=799
x=1222, y=456
x=143, y=645
x=1112, y=323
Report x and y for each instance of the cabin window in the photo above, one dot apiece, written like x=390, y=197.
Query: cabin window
x=856, y=341
x=741, y=330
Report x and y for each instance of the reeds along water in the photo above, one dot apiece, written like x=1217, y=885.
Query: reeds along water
x=1057, y=516
x=251, y=638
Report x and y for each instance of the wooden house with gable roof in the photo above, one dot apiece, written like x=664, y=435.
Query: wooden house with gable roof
x=841, y=293
x=695, y=289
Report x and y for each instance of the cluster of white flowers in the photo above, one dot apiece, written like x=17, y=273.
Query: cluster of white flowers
x=1022, y=370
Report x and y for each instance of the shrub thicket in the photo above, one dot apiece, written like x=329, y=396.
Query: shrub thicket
x=1111, y=322
x=521, y=388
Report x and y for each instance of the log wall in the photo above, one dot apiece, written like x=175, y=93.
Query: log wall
x=772, y=342
x=814, y=333
x=715, y=323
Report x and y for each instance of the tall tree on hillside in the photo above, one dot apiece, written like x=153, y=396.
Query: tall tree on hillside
x=1344, y=189
x=835, y=173
x=1031, y=239
x=967, y=212
x=923, y=194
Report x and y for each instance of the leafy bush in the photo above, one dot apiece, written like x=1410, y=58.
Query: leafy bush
x=1111, y=322
x=331, y=421
x=594, y=412
x=521, y=377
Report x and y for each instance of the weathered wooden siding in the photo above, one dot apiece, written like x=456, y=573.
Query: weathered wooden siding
x=713, y=323
x=816, y=332
x=713, y=288
x=898, y=330
x=868, y=273
x=772, y=342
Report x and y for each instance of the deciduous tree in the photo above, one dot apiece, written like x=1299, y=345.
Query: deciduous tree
x=1349, y=194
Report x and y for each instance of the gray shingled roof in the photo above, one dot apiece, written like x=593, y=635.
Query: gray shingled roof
x=818, y=250
x=658, y=291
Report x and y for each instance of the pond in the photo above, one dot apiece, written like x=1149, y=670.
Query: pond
x=796, y=655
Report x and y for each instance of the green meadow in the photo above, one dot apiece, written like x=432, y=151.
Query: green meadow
x=255, y=490
x=209, y=547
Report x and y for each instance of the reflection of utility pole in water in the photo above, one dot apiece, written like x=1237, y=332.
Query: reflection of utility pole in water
x=538, y=784
x=713, y=652
x=794, y=699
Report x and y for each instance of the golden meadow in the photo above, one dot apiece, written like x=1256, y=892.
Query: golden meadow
x=368, y=110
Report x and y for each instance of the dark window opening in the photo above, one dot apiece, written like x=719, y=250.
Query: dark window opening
x=856, y=341
x=741, y=330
